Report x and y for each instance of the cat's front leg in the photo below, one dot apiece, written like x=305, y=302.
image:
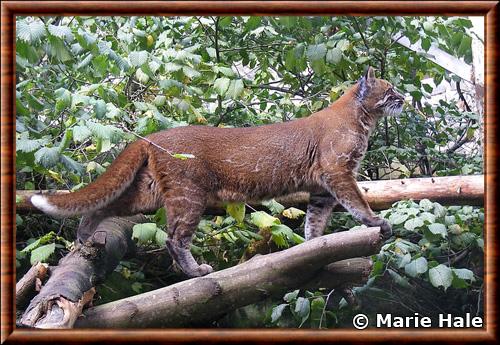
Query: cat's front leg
x=345, y=188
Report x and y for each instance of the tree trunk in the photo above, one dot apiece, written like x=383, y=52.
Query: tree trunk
x=200, y=300
x=71, y=283
x=446, y=190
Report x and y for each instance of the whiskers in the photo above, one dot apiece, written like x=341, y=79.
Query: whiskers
x=393, y=109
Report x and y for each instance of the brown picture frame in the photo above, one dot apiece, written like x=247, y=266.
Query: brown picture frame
x=10, y=9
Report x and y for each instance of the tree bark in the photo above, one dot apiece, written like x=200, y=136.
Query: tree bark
x=71, y=283
x=200, y=300
x=446, y=190
x=26, y=287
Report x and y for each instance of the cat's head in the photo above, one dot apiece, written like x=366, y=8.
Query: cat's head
x=378, y=96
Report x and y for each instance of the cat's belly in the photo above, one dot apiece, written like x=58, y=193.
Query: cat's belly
x=260, y=194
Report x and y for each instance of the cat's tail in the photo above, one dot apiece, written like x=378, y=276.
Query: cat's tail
x=106, y=188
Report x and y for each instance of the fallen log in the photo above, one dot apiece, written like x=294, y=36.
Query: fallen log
x=200, y=300
x=71, y=283
x=446, y=190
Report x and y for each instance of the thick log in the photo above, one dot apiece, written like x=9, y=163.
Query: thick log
x=446, y=190
x=199, y=300
x=71, y=283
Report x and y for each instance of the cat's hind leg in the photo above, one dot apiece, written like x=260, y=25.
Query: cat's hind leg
x=184, y=210
x=319, y=210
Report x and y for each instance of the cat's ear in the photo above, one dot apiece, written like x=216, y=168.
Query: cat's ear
x=365, y=82
x=370, y=73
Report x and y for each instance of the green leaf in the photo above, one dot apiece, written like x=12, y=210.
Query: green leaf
x=42, y=253
x=416, y=267
x=412, y=224
x=426, y=43
x=228, y=72
x=63, y=99
x=212, y=52
x=426, y=204
x=302, y=309
x=80, y=133
x=161, y=237
x=159, y=100
x=439, y=211
x=47, y=156
x=334, y=55
x=144, y=232
x=464, y=273
x=138, y=58
x=263, y=220
x=252, y=23
x=190, y=72
x=273, y=206
x=32, y=246
x=465, y=45
x=316, y=52
x=235, y=89
x=438, y=229
x=72, y=165
x=85, y=62
x=225, y=21
x=427, y=217
x=293, y=213
x=100, y=109
x=221, y=85
x=281, y=234
x=58, y=49
x=428, y=26
x=441, y=275
x=398, y=218
x=291, y=296
x=60, y=31
x=183, y=156
x=480, y=243
x=277, y=312
x=106, y=132
x=31, y=32
x=290, y=60
x=236, y=210
x=23, y=144
x=141, y=76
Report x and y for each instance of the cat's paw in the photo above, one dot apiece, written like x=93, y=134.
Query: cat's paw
x=385, y=228
x=200, y=271
x=205, y=269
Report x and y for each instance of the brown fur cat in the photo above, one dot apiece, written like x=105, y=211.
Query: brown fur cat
x=319, y=154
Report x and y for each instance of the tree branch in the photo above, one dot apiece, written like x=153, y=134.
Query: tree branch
x=200, y=300
x=381, y=194
x=71, y=284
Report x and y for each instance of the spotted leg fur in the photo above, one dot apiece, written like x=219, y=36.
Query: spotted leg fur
x=319, y=210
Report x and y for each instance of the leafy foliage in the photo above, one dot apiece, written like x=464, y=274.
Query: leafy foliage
x=85, y=84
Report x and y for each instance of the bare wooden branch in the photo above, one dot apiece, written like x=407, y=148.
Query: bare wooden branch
x=447, y=190
x=202, y=299
x=71, y=283
x=345, y=272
